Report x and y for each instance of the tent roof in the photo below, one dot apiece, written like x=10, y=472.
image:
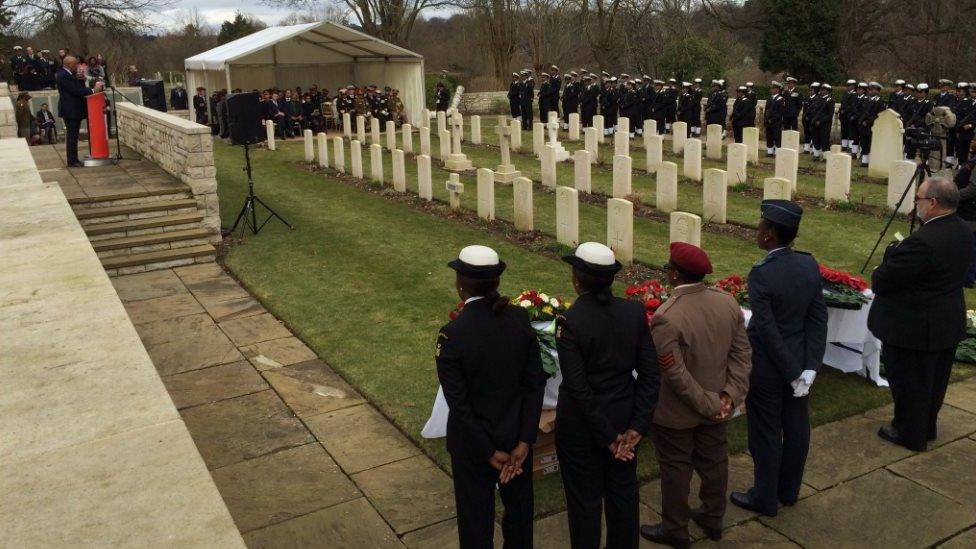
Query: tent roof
x=317, y=43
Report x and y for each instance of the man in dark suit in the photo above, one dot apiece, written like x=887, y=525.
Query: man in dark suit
x=514, y=90
x=178, y=99
x=788, y=332
x=603, y=410
x=919, y=312
x=200, y=106
x=743, y=113
x=490, y=369
x=525, y=99
x=72, y=107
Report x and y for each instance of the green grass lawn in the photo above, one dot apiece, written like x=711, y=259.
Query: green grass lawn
x=363, y=280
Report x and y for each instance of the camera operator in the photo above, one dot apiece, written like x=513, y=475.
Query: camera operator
x=967, y=202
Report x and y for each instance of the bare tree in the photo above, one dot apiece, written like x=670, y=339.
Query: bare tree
x=73, y=21
x=550, y=30
x=603, y=22
x=390, y=20
x=498, y=24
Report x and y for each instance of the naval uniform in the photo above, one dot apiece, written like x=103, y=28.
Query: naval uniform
x=588, y=104
x=491, y=373
x=743, y=116
x=526, y=97
x=773, y=120
x=514, y=103
x=601, y=341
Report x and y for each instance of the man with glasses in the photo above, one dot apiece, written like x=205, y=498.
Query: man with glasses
x=919, y=312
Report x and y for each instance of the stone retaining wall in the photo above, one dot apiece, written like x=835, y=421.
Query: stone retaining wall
x=181, y=147
x=483, y=102
x=93, y=451
x=8, y=118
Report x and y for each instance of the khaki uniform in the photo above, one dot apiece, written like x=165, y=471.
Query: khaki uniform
x=703, y=351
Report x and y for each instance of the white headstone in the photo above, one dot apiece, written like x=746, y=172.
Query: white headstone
x=475, y=129
x=574, y=126
x=581, y=170
x=620, y=229
x=567, y=216
x=623, y=125
x=787, y=161
x=441, y=122
x=339, y=154
x=399, y=171
x=407, y=130
x=713, y=142
x=454, y=191
x=714, y=196
x=425, y=118
x=692, y=163
x=506, y=172
x=621, y=143
x=376, y=163
x=667, y=187
x=538, y=138
x=622, y=181
x=777, y=188
x=309, y=140
x=686, y=227
x=655, y=151
x=598, y=125
x=356, y=158
x=548, y=162
x=750, y=137
x=425, y=140
x=887, y=135
x=553, y=116
x=516, y=137
x=444, y=139
x=899, y=174
x=361, y=128
x=456, y=123
x=679, y=136
x=457, y=160
x=591, y=143
x=323, y=141
x=486, y=194
x=790, y=140
x=425, y=187
x=522, y=190
x=836, y=149
x=736, y=163
x=390, y=135
x=837, y=181
x=650, y=128
x=374, y=131
x=347, y=125
x=269, y=129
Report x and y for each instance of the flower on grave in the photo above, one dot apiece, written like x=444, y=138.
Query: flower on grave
x=525, y=303
x=735, y=285
x=540, y=306
x=650, y=293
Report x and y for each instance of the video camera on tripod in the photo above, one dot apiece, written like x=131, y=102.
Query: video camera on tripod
x=923, y=140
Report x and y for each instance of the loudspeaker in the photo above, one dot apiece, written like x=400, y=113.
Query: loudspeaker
x=153, y=94
x=244, y=118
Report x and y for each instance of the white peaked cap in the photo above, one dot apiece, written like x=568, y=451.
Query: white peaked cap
x=596, y=253
x=478, y=256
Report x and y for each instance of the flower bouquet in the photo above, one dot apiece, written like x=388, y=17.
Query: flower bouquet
x=651, y=293
x=843, y=290
x=966, y=351
x=542, y=310
x=737, y=286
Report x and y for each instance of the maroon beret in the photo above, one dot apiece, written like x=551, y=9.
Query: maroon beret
x=690, y=258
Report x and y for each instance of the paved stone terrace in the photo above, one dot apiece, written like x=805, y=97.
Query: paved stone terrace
x=302, y=460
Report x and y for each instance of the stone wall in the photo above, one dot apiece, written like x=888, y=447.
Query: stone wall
x=483, y=102
x=179, y=146
x=8, y=118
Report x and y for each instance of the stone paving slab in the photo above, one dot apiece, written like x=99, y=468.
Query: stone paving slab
x=216, y=288
x=350, y=525
x=162, y=308
x=214, y=384
x=410, y=494
x=749, y=534
x=242, y=428
x=949, y=470
x=962, y=395
x=359, y=438
x=254, y=329
x=953, y=423
x=173, y=329
x=879, y=508
x=443, y=535
x=276, y=487
x=205, y=347
x=552, y=532
x=198, y=273
x=311, y=388
x=277, y=353
x=234, y=308
x=148, y=285
x=965, y=540
x=846, y=449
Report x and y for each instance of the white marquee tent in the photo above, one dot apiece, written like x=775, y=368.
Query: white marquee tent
x=327, y=54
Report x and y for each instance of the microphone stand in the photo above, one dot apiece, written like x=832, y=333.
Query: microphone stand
x=115, y=115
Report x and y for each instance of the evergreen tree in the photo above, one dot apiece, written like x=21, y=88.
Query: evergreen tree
x=241, y=26
x=801, y=38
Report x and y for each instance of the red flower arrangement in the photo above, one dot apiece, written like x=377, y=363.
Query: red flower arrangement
x=840, y=278
x=737, y=286
x=651, y=293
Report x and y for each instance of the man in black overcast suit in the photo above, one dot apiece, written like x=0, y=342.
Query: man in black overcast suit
x=72, y=107
x=919, y=312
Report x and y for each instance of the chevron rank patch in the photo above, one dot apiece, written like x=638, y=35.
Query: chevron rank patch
x=665, y=361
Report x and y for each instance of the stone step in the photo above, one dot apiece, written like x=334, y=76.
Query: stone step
x=161, y=256
x=126, y=199
x=128, y=225
x=162, y=205
x=124, y=242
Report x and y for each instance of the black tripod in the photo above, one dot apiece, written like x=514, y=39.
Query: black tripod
x=249, y=212
x=921, y=172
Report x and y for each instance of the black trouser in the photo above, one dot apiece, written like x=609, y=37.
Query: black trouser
x=474, y=496
x=543, y=112
x=808, y=133
x=702, y=449
x=918, y=381
x=845, y=128
x=821, y=137
x=594, y=480
x=774, y=136
x=586, y=117
x=526, y=111
x=568, y=108
x=737, y=132
x=779, y=440
x=515, y=108
x=790, y=122
x=961, y=145
x=72, y=126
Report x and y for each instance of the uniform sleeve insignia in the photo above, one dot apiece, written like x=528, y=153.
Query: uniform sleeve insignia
x=665, y=361
x=437, y=353
x=441, y=335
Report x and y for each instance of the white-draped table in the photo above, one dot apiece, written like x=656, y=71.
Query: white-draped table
x=851, y=348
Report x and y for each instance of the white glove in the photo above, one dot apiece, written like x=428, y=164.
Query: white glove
x=801, y=385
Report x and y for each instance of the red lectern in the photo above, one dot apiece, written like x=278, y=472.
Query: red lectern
x=97, y=131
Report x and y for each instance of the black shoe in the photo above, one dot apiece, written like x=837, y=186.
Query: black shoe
x=656, y=534
x=932, y=436
x=714, y=534
x=889, y=433
x=745, y=501
x=76, y=165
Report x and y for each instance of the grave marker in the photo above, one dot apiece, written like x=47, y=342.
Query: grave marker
x=790, y=140
x=548, y=162
x=522, y=191
x=399, y=172
x=713, y=142
x=591, y=143
x=581, y=170
x=686, y=227
x=516, y=136
x=714, y=196
x=679, y=136
x=374, y=131
x=454, y=190
x=620, y=229
x=899, y=174
x=598, y=126
x=339, y=154
x=750, y=137
x=736, y=163
x=622, y=181
x=309, y=141
x=667, y=187
x=361, y=128
x=475, y=129
x=567, y=216
x=425, y=140
x=887, y=140
x=323, y=141
x=424, y=185
x=356, y=158
x=837, y=180
x=777, y=188
x=655, y=151
x=457, y=161
x=376, y=163
x=574, y=126
x=390, y=135
x=407, y=130
x=506, y=172
x=486, y=194
x=692, y=159
x=347, y=125
x=787, y=161
x=538, y=138
x=621, y=144
x=269, y=130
